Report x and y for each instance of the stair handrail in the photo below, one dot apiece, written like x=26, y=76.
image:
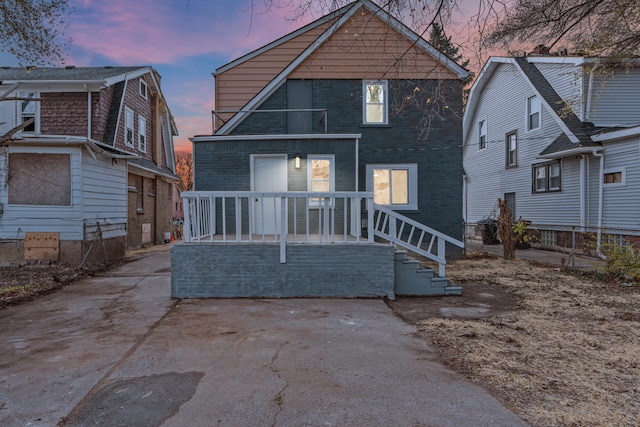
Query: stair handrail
x=394, y=236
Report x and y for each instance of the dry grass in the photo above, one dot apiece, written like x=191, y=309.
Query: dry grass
x=567, y=355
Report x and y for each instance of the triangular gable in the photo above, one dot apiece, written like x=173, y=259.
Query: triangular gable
x=575, y=132
x=369, y=46
x=346, y=14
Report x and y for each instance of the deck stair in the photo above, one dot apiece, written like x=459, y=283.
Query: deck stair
x=413, y=279
x=403, y=232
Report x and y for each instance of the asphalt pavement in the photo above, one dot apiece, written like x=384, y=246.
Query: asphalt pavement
x=116, y=350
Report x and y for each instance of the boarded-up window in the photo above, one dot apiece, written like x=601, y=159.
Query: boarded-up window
x=39, y=179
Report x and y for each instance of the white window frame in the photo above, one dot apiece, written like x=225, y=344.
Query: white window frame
x=508, y=161
x=547, y=184
x=128, y=126
x=144, y=88
x=142, y=134
x=622, y=171
x=316, y=202
x=413, y=183
x=35, y=115
x=384, y=103
x=482, y=133
x=534, y=106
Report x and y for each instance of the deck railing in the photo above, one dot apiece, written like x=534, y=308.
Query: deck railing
x=287, y=217
x=410, y=234
x=305, y=217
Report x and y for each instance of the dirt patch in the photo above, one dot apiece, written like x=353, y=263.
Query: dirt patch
x=556, y=348
x=478, y=301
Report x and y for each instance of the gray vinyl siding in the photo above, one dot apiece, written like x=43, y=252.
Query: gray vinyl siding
x=66, y=220
x=567, y=80
x=503, y=104
x=104, y=191
x=621, y=207
x=616, y=99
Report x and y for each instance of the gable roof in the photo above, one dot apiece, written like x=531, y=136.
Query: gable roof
x=107, y=75
x=576, y=134
x=336, y=20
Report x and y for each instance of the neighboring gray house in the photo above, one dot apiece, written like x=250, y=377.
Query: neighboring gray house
x=316, y=125
x=87, y=154
x=559, y=140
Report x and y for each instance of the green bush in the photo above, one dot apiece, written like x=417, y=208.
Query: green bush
x=622, y=263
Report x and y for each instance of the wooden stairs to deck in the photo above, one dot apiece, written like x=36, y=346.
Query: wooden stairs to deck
x=411, y=279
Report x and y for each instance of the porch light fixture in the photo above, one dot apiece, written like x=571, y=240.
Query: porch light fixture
x=296, y=161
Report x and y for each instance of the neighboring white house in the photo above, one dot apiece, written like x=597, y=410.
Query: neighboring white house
x=559, y=140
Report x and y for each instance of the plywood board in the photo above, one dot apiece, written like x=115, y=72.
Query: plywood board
x=41, y=246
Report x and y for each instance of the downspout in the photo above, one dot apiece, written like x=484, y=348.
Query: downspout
x=583, y=195
x=600, y=203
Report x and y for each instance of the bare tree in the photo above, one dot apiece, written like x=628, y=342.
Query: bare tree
x=32, y=30
x=608, y=28
x=184, y=169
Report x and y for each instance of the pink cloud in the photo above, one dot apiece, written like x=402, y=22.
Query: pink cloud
x=163, y=32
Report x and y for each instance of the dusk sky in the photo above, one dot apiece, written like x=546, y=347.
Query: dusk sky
x=185, y=40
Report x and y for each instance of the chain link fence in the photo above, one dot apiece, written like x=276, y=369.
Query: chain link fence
x=95, y=246
x=567, y=246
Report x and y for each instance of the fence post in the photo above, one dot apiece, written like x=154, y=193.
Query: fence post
x=370, y=225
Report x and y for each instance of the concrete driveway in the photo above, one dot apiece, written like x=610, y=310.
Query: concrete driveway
x=116, y=350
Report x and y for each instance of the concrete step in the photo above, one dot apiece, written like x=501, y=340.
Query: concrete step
x=412, y=279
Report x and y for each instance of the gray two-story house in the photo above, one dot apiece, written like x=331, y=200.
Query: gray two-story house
x=350, y=109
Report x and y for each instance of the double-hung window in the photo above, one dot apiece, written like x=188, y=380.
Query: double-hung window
x=394, y=185
x=512, y=149
x=128, y=127
x=320, y=176
x=533, y=113
x=375, y=102
x=547, y=177
x=28, y=110
x=482, y=134
x=142, y=134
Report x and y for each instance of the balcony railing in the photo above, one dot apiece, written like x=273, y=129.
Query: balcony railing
x=289, y=217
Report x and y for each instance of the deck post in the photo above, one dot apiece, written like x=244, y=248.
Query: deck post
x=370, y=225
x=441, y=254
x=186, y=225
x=283, y=230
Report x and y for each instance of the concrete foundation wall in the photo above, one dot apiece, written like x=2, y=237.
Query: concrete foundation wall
x=245, y=270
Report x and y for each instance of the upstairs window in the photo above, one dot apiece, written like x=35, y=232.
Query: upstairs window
x=143, y=88
x=375, y=100
x=128, y=127
x=28, y=110
x=547, y=177
x=142, y=134
x=320, y=176
x=482, y=134
x=512, y=149
x=533, y=113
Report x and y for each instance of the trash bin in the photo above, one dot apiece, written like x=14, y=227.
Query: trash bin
x=167, y=237
x=489, y=232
